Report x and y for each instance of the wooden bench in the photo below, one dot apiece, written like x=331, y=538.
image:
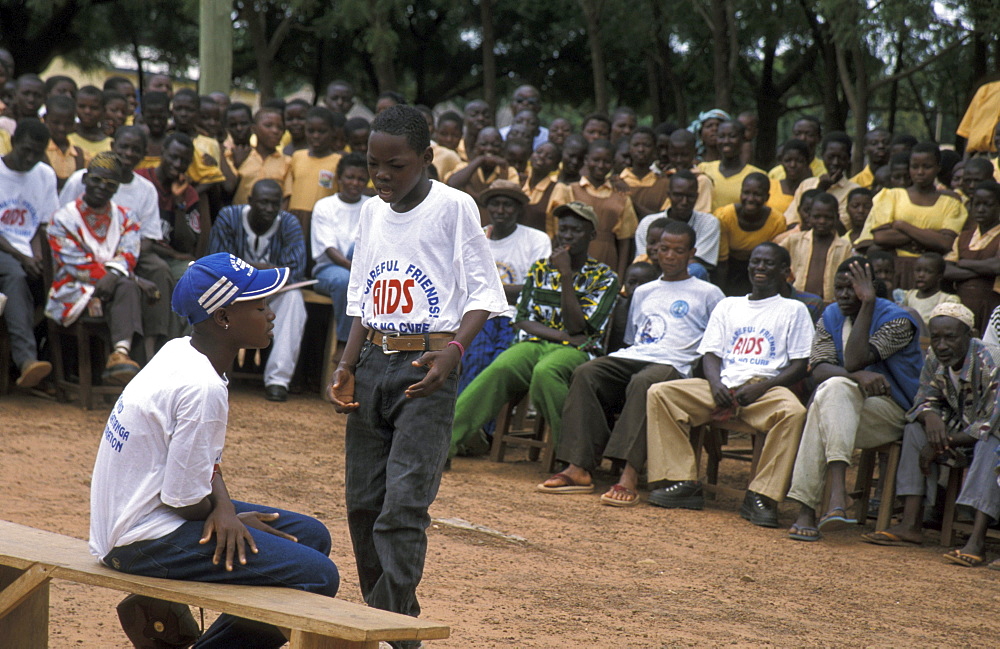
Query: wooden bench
x=29, y=558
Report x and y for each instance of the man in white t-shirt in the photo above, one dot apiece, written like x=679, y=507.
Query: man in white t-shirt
x=27, y=201
x=683, y=196
x=157, y=494
x=515, y=248
x=138, y=195
x=755, y=347
x=667, y=319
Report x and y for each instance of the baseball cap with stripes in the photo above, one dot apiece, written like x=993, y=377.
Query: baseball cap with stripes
x=219, y=280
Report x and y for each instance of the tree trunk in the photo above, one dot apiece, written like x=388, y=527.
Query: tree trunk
x=489, y=56
x=894, y=88
x=719, y=19
x=383, y=57
x=592, y=10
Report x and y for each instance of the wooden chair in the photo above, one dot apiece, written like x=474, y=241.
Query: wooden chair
x=89, y=333
x=330, y=347
x=864, y=482
x=956, y=474
x=713, y=438
x=537, y=439
x=5, y=360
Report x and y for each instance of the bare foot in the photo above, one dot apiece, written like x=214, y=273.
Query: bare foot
x=906, y=533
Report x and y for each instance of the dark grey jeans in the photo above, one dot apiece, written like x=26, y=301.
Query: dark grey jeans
x=20, y=310
x=396, y=449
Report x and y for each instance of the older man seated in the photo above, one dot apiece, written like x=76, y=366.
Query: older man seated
x=866, y=359
x=955, y=409
x=755, y=347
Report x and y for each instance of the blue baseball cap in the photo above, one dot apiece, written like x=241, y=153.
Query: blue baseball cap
x=219, y=280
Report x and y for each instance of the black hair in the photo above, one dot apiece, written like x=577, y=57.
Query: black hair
x=682, y=136
x=578, y=139
x=812, y=120
x=30, y=128
x=647, y=268
x=114, y=83
x=451, y=116
x=28, y=77
x=859, y=191
x=357, y=124
x=988, y=186
x=903, y=139
x=206, y=100
x=188, y=93
x=60, y=102
x=936, y=259
x=757, y=177
x=553, y=145
x=980, y=165
x=181, y=138
x=642, y=130
x=623, y=110
x=154, y=98
x=298, y=101
x=876, y=131
x=845, y=266
x=351, y=160
x=795, y=145
x=600, y=143
x=91, y=91
x=810, y=194
x=393, y=95
x=275, y=103
x=737, y=126
x=876, y=254
x=238, y=106
x=132, y=130
x=600, y=117
x=55, y=80
x=827, y=199
x=327, y=115
x=679, y=227
x=899, y=160
x=784, y=258
x=665, y=128
x=838, y=137
x=406, y=121
x=927, y=147
x=268, y=110
x=339, y=82
x=112, y=95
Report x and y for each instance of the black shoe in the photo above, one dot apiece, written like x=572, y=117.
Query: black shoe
x=759, y=510
x=276, y=393
x=686, y=494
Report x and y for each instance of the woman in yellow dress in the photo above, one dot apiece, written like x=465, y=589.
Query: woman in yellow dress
x=742, y=226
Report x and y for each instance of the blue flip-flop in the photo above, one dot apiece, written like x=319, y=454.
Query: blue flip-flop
x=832, y=522
x=798, y=536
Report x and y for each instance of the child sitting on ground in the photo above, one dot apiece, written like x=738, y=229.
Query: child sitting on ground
x=927, y=275
x=62, y=155
x=89, y=135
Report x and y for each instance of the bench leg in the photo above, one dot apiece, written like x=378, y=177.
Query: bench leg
x=24, y=607
x=306, y=640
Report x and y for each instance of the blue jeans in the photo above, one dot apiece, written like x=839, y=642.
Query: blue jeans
x=279, y=562
x=396, y=450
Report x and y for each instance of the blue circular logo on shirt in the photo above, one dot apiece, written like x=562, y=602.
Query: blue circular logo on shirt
x=679, y=309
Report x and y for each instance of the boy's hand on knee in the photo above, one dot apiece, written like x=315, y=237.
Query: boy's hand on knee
x=231, y=537
x=260, y=520
x=340, y=392
x=440, y=365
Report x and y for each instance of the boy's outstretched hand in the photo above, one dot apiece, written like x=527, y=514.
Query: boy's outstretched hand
x=340, y=392
x=440, y=364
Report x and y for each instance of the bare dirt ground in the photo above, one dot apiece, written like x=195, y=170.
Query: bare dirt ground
x=586, y=575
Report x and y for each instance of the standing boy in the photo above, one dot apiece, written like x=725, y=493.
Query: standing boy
x=422, y=284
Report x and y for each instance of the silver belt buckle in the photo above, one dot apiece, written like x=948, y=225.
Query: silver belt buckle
x=385, y=346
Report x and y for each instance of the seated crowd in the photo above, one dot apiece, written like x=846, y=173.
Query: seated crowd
x=656, y=280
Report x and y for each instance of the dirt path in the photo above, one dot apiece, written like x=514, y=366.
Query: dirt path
x=585, y=575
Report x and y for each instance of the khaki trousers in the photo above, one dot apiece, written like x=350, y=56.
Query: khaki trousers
x=674, y=407
x=840, y=419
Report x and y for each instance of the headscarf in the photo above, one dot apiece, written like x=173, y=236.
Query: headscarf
x=695, y=126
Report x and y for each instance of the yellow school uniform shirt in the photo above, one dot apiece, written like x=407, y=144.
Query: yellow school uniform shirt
x=735, y=241
x=947, y=213
x=310, y=179
x=91, y=148
x=445, y=160
x=725, y=190
x=255, y=168
x=64, y=164
x=816, y=166
x=981, y=118
x=839, y=189
x=460, y=151
x=5, y=145
x=996, y=169
x=800, y=247
x=865, y=177
x=199, y=172
x=479, y=179
x=779, y=200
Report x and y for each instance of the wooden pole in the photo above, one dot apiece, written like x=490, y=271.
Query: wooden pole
x=215, y=46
